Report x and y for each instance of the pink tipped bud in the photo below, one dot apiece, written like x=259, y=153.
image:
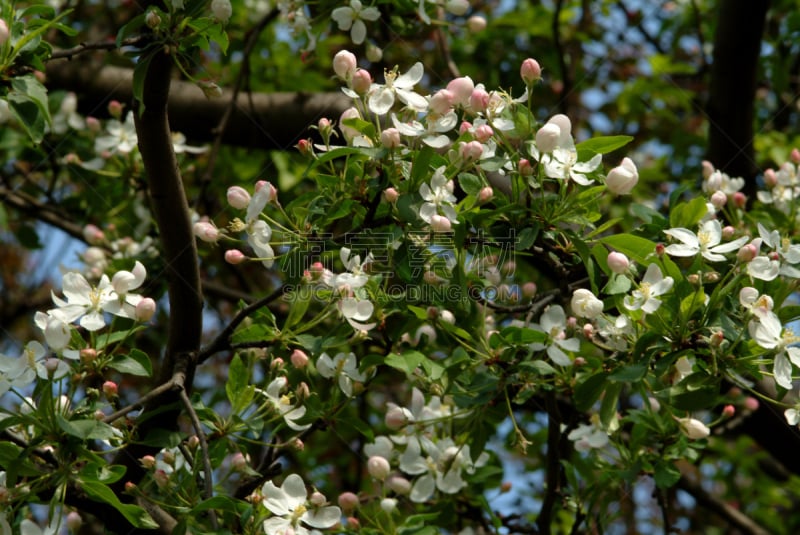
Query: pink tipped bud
x=719, y=199
x=461, y=88
x=529, y=290
x=348, y=502
x=471, y=151
x=524, y=167
x=93, y=124
x=390, y=138
x=88, y=355
x=130, y=486
x=770, y=178
x=317, y=499
x=728, y=411
x=660, y=247
x=110, y=389
x=747, y=253
x=276, y=364
x=717, y=337
x=361, y=82
x=299, y=359
x=192, y=442
x=115, y=109
x=378, y=467
x=728, y=232
x=708, y=169
x=547, y=137
x=485, y=194
x=751, y=403
x=391, y=195
x=795, y=156
x=479, y=99
x=398, y=484
x=588, y=330
x=442, y=101
x=206, y=231
x=148, y=461
x=572, y=321
x=74, y=521
x=298, y=445
x=4, y=33
x=396, y=418
x=739, y=199
x=234, y=257
x=93, y=235
x=476, y=24
x=302, y=392
x=145, y=309
x=622, y=179
x=530, y=71
x=618, y=262
x=345, y=64
x=305, y=147
x=440, y=223
x=353, y=523
x=239, y=462
x=484, y=133
x=324, y=125
x=238, y=197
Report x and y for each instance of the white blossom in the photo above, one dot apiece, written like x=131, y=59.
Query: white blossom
x=553, y=322
x=292, y=511
x=344, y=367
x=653, y=285
x=707, y=242
x=352, y=18
x=381, y=97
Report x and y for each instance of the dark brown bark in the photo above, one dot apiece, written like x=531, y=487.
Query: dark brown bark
x=732, y=89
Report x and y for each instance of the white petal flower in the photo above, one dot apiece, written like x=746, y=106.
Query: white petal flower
x=707, y=242
x=382, y=97
x=291, y=508
x=693, y=428
x=283, y=404
x=352, y=18
x=553, y=322
x=344, y=367
x=653, y=285
x=585, y=304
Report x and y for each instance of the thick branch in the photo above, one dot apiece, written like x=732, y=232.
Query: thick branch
x=268, y=121
x=730, y=514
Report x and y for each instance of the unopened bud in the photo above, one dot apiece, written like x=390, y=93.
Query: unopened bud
x=524, y=167
x=440, y=223
x=479, y=99
x=728, y=232
x=374, y=53
x=317, y=499
x=728, y=411
x=152, y=20
x=747, y=253
x=115, y=109
x=302, y=392
x=344, y=64
x=210, y=89
x=361, y=81
x=529, y=290
x=192, y=442
x=457, y=7
x=353, y=523
x=148, y=461
x=161, y=478
x=4, y=33
x=391, y=195
x=390, y=138
x=484, y=133
x=719, y=199
x=708, y=169
x=471, y=151
x=530, y=71
x=238, y=197
x=461, y=88
x=234, y=257
x=398, y=484
x=299, y=359
x=388, y=505
x=579, y=361
x=751, y=403
x=618, y=262
x=795, y=155
x=239, y=462
x=93, y=235
x=348, y=502
x=441, y=102
x=74, y=521
x=206, y=231
x=739, y=199
x=660, y=249
x=298, y=445
x=110, y=389
x=222, y=10
x=485, y=194
x=476, y=24
x=305, y=147
x=145, y=309
x=395, y=418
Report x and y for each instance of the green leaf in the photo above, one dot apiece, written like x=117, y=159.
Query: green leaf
x=240, y=392
x=470, y=183
x=603, y=144
x=222, y=503
x=104, y=340
x=617, y=284
x=407, y=362
x=28, y=114
x=588, y=390
x=137, y=516
x=298, y=302
x=102, y=473
x=136, y=362
x=539, y=366
x=340, y=152
x=666, y=475
x=642, y=251
x=139, y=75
x=89, y=429
x=523, y=335
x=688, y=214
x=608, y=407
x=629, y=374
x=130, y=28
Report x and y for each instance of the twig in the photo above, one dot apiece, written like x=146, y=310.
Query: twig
x=207, y=480
x=69, y=53
x=141, y=402
x=166, y=524
x=221, y=341
x=730, y=514
x=553, y=464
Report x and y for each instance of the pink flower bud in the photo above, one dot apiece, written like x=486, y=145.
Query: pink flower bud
x=222, y=10
x=145, y=310
x=708, y=169
x=717, y=337
x=485, y=194
x=739, y=199
x=618, y=262
x=483, y=133
x=302, y=392
x=93, y=124
x=530, y=71
x=169, y=457
x=276, y=364
x=461, y=88
x=88, y=355
x=348, y=502
x=305, y=147
x=234, y=257
x=588, y=330
x=161, y=478
x=442, y=101
x=751, y=403
x=4, y=33
x=476, y=24
x=239, y=462
x=130, y=486
x=524, y=167
x=93, y=235
x=317, y=499
x=273, y=191
x=728, y=232
x=622, y=179
x=148, y=461
x=529, y=289
x=51, y=365
x=479, y=99
x=728, y=411
x=396, y=418
x=572, y=321
x=447, y=317
x=299, y=359
x=440, y=223
x=348, y=132
x=719, y=199
x=115, y=109
x=770, y=178
x=471, y=151
x=345, y=64
x=398, y=484
x=660, y=249
x=110, y=389
x=361, y=82
x=238, y=197
x=298, y=445
x=391, y=195
x=378, y=467
x=795, y=156
x=192, y=442
x=74, y=521
x=390, y=138
x=206, y=231
x=353, y=523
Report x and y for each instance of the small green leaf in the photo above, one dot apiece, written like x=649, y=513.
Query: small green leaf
x=133, y=513
x=136, y=362
x=407, y=362
x=629, y=374
x=588, y=390
x=102, y=473
x=603, y=144
x=666, y=475
x=688, y=214
x=470, y=183
x=298, y=304
x=90, y=429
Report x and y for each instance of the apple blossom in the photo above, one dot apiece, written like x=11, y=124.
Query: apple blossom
x=378, y=467
x=391, y=195
x=344, y=367
x=693, y=428
x=345, y=64
x=707, y=242
x=530, y=71
x=485, y=194
x=222, y=10
x=352, y=18
x=653, y=285
x=585, y=304
x=622, y=179
x=288, y=504
x=461, y=88
x=618, y=262
x=374, y=53
x=553, y=322
x=382, y=97
x=476, y=24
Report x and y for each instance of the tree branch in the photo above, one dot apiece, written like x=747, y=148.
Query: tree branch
x=730, y=514
x=261, y=120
